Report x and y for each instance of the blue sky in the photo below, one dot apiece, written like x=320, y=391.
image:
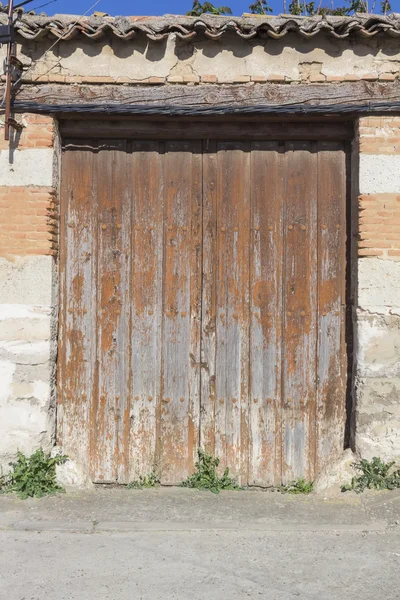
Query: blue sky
x=156, y=7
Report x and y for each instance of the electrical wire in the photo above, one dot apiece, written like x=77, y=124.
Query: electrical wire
x=35, y=8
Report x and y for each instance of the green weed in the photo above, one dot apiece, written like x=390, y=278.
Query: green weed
x=373, y=475
x=147, y=481
x=34, y=476
x=298, y=486
x=206, y=477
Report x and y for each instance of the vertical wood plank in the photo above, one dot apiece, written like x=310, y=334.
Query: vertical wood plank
x=232, y=323
x=300, y=297
x=266, y=313
x=109, y=359
x=147, y=197
x=331, y=356
x=209, y=290
x=78, y=303
x=196, y=259
x=122, y=252
x=182, y=309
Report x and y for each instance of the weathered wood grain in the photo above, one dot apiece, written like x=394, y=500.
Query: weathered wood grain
x=196, y=256
x=209, y=291
x=202, y=302
x=109, y=169
x=331, y=363
x=346, y=97
x=267, y=193
x=300, y=296
x=211, y=130
x=77, y=331
x=121, y=248
x=146, y=229
x=232, y=312
x=182, y=309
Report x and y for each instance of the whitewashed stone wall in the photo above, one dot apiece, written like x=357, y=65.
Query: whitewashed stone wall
x=378, y=305
x=28, y=301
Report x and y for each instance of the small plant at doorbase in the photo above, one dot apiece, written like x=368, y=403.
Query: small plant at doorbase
x=206, y=477
x=145, y=481
x=299, y=486
x=34, y=476
x=374, y=475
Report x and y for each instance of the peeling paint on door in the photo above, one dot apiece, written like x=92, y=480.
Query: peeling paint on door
x=202, y=303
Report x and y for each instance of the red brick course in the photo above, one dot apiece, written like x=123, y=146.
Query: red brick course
x=37, y=132
x=29, y=221
x=379, y=214
x=380, y=135
x=379, y=225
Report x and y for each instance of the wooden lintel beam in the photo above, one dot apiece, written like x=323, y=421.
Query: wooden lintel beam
x=347, y=98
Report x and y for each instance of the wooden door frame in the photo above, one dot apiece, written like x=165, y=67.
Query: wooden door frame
x=89, y=127
x=227, y=128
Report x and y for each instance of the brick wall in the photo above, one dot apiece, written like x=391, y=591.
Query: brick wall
x=379, y=205
x=28, y=211
x=29, y=223
x=37, y=132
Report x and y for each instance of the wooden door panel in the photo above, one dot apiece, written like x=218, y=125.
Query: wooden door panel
x=182, y=309
x=202, y=302
x=266, y=248
x=299, y=308
x=209, y=305
x=146, y=229
x=110, y=398
x=275, y=353
x=232, y=306
x=331, y=352
x=77, y=330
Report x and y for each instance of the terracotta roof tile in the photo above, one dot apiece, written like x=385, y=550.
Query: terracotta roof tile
x=34, y=27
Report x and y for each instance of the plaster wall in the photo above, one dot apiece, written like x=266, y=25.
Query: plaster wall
x=292, y=59
x=27, y=355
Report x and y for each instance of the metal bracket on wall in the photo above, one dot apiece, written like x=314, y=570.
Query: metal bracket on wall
x=7, y=36
x=14, y=124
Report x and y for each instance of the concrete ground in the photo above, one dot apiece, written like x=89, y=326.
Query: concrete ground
x=119, y=544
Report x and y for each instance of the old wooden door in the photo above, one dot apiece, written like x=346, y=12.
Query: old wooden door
x=273, y=391
x=202, y=295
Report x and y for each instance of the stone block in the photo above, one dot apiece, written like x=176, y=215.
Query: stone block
x=24, y=322
x=378, y=418
x=26, y=413
x=27, y=167
x=25, y=353
x=379, y=173
x=70, y=474
x=26, y=280
x=378, y=345
x=379, y=285
x=337, y=474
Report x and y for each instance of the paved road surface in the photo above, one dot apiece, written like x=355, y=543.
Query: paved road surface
x=180, y=544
